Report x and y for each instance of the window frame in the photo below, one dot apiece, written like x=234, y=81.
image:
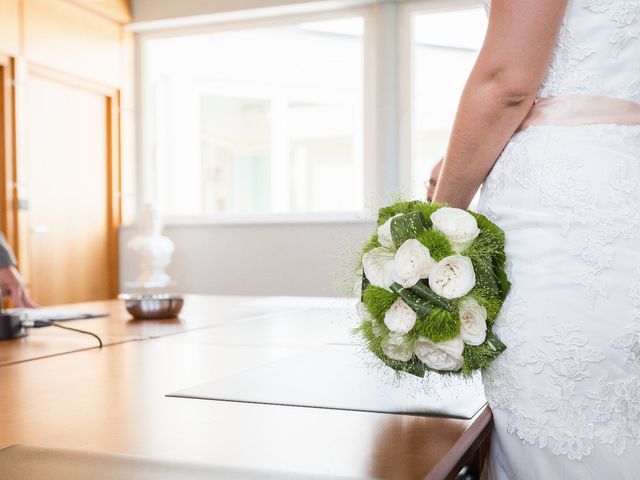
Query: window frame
x=387, y=124
x=146, y=178
x=406, y=15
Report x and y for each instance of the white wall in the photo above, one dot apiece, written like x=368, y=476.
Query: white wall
x=314, y=259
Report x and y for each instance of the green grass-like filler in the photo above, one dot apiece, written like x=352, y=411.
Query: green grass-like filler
x=439, y=325
x=491, y=303
x=372, y=243
x=378, y=301
x=437, y=243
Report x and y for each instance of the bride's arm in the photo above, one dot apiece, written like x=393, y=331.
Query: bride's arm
x=499, y=92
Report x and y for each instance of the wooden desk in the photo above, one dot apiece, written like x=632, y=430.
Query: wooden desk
x=113, y=400
x=200, y=311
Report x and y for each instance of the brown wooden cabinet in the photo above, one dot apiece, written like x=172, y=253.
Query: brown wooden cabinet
x=65, y=66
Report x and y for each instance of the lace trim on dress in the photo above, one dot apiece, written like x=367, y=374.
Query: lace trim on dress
x=566, y=423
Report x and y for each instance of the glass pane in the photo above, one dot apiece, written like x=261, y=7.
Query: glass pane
x=256, y=121
x=446, y=45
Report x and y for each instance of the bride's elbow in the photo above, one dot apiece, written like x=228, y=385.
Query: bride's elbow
x=512, y=88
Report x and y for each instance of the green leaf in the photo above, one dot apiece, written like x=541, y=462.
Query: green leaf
x=413, y=366
x=417, y=303
x=505, y=284
x=423, y=290
x=494, y=343
x=409, y=225
x=485, y=274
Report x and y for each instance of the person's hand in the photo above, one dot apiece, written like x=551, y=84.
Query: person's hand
x=12, y=286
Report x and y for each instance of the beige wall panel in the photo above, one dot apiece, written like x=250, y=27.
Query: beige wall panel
x=146, y=10
x=118, y=10
x=70, y=38
x=9, y=29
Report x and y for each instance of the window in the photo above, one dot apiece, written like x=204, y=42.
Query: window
x=256, y=121
x=445, y=47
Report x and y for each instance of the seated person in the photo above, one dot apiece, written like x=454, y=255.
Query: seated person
x=12, y=284
x=433, y=180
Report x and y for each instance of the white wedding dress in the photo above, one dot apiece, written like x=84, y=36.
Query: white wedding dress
x=566, y=393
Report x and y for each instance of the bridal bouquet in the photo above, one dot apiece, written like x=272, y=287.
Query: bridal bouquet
x=433, y=284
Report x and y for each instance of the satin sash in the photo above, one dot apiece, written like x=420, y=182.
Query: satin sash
x=571, y=110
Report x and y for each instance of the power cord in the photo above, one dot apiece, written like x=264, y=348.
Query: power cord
x=45, y=323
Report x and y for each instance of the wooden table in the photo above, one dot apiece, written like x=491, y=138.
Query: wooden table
x=113, y=399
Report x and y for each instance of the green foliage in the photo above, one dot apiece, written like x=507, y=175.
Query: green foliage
x=479, y=357
x=418, y=304
x=439, y=325
x=378, y=301
x=371, y=244
x=426, y=209
x=496, y=234
x=409, y=225
x=491, y=304
x=423, y=290
x=437, y=243
x=413, y=366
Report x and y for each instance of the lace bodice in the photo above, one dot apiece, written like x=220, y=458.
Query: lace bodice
x=597, y=51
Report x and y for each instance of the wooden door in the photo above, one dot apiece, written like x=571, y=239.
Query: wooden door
x=70, y=159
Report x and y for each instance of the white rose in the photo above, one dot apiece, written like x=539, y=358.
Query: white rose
x=412, y=262
x=396, y=347
x=384, y=233
x=452, y=277
x=378, y=267
x=458, y=225
x=473, y=321
x=400, y=318
x=445, y=355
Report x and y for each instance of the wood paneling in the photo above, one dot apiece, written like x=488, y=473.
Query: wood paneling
x=9, y=27
x=71, y=39
x=118, y=10
x=69, y=137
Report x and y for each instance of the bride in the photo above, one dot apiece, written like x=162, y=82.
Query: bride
x=555, y=98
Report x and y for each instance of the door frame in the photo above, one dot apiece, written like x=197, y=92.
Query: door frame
x=8, y=191
x=113, y=159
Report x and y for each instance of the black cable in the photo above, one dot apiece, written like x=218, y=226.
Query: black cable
x=45, y=323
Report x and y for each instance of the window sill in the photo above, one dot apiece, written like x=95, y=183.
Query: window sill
x=268, y=219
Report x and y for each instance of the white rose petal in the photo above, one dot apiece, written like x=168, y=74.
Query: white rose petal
x=384, y=233
x=445, y=355
x=459, y=226
x=400, y=318
x=396, y=347
x=378, y=267
x=473, y=321
x=452, y=277
x=412, y=262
